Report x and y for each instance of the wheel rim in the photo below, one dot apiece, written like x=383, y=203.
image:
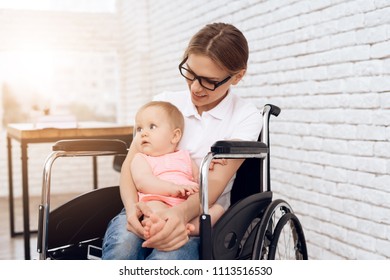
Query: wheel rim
x=274, y=212
x=288, y=241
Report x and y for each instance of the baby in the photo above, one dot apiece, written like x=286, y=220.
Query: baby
x=163, y=175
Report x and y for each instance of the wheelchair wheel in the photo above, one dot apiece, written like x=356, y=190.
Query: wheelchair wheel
x=266, y=236
x=288, y=241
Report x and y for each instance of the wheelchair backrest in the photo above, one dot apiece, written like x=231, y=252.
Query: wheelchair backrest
x=249, y=176
x=247, y=180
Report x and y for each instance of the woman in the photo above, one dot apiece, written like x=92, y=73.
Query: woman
x=215, y=59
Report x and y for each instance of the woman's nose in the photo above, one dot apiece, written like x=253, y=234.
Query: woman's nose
x=196, y=86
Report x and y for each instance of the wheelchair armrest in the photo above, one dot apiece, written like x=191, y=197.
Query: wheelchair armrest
x=91, y=145
x=239, y=147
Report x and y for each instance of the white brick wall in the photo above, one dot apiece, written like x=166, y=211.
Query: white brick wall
x=327, y=65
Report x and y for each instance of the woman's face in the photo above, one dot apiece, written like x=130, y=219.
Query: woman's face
x=203, y=66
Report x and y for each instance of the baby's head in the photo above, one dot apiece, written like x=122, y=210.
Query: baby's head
x=159, y=127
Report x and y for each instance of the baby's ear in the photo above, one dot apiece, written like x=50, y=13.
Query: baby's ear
x=176, y=136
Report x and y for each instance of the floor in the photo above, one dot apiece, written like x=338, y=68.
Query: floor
x=13, y=248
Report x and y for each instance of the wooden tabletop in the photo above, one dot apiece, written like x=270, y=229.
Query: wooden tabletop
x=31, y=131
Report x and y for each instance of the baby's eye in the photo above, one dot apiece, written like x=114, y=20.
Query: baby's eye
x=139, y=129
x=153, y=126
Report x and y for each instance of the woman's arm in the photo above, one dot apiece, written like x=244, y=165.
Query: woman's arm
x=220, y=176
x=129, y=194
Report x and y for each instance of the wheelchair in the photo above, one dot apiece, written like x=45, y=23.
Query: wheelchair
x=255, y=227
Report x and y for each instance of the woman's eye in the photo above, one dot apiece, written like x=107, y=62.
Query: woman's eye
x=212, y=82
x=209, y=82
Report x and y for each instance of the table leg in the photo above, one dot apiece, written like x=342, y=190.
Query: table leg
x=26, y=206
x=95, y=176
x=10, y=189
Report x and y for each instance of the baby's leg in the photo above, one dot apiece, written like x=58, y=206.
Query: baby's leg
x=215, y=211
x=153, y=224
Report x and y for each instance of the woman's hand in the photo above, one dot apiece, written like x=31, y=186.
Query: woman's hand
x=133, y=220
x=173, y=234
x=221, y=161
x=183, y=190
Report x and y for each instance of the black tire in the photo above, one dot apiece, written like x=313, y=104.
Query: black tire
x=288, y=241
x=265, y=234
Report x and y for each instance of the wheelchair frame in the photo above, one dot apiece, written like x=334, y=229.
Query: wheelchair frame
x=256, y=236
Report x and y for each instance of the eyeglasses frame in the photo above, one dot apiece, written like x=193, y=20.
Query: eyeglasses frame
x=199, y=78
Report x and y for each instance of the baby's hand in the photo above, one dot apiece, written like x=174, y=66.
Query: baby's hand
x=221, y=161
x=184, y=190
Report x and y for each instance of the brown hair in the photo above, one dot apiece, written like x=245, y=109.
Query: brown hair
x=174, y=114
x=223, y=43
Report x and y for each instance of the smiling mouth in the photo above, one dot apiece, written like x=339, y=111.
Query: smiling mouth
x=199, y=95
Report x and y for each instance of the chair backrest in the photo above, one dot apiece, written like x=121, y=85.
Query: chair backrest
x=118, y=159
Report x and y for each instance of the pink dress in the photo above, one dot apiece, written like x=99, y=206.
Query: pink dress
x=174, y=167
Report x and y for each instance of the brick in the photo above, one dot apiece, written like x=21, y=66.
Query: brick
x=358, y=209
x=386, y=65
x=376, y=197
x=352, y=22
x=380, y=83
x=372, y=228
x=369, y=68
x=361, y=241
x=371, y=132
x=381, y=3
x=350, y=191
x=382, y=149
x=380, y=50
x=343, y=249
x=376, y=165
x=377, y=17
x=340, y=70
x=360, y=148
x=380, y=182
x=369, y=255
x=355, y=53
x=364, y=100
x=381, y=215
x=372, y=35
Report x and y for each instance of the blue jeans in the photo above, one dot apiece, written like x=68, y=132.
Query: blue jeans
x=121, y=244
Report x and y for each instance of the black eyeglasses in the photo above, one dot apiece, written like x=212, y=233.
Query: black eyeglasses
x=204, y=82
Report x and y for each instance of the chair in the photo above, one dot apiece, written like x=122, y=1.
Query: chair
x=254, y=227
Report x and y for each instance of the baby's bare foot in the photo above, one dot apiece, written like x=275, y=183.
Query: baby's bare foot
x=152, y=225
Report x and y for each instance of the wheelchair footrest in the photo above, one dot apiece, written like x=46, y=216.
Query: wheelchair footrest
x=85, y=250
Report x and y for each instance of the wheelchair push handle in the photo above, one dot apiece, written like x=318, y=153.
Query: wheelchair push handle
x=274, y=110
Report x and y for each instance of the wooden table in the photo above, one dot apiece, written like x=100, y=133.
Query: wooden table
x=28, y=133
